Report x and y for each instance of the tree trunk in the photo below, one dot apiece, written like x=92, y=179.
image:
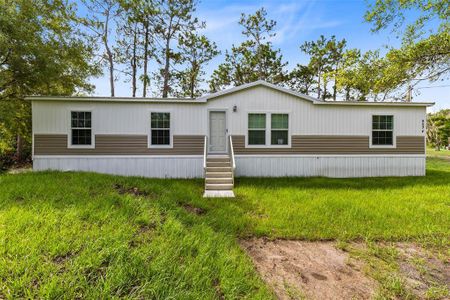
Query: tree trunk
x=134, y=64
x=109, y=54
x=318, y=82
x=111, y=70
x=144, y=92
x=335, y=86
x=19, y=148
x=165, y=91
x=347, y=94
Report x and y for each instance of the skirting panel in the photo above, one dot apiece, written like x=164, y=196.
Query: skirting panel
x=155, y=167
x=330, y=166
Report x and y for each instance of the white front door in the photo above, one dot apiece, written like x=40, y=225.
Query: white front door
x=217, y=131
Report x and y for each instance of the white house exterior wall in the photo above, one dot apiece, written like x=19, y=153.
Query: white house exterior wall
x=52, y=118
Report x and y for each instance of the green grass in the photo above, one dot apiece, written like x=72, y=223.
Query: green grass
x=73, y=235
x=443, y=153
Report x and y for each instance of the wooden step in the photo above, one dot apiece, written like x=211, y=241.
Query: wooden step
x=218, y=169
x=218, y=159
x=219, y=186
x=217, y=164
x=219, y=180
x=218, y=175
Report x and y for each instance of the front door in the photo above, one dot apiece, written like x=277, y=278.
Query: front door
x=217, y=131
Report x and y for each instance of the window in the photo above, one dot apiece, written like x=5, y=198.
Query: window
x=256, y=129
x=81, y=127
x=279, y=129
x=160, y=129
x=382, y=130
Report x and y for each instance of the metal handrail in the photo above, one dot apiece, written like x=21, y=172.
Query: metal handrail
x=205, y=152
x=232, y=153
x=233, y=162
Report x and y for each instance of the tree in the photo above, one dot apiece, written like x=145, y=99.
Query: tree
x=135, y=44
x=326, y=58
x=438, y=128
x=174, y=17
x=196, y=51
x=302, y=79
x=41, y=52
x=425, y=50
x=335, y=59
x=127, y=50
x=317, y=51
x=102, y=13
x=255, y=59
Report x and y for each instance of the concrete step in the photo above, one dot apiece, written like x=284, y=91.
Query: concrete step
x=217, y=164
x=221, y=194
x=219, y=186
x=218, y=175
x=217, y=169
x=219, y=180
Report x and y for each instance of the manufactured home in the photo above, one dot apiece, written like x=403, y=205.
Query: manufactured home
x=256, y=129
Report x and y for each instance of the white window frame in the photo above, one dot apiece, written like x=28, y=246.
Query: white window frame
x=394, y=134
x=277, y=129
x=149, y=135
x=69, y=135
x=269, y=129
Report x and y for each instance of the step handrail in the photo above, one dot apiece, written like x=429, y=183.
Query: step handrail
x=205, y=153
x=233, y=162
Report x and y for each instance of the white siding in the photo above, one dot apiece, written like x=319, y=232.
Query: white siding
x=156, y=167
x=310, y=119
x=52, y=117
x=330, y=166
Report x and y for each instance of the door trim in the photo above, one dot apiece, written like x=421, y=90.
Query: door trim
x=224, y=110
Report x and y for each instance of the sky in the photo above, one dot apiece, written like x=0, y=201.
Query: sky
x=297, y=22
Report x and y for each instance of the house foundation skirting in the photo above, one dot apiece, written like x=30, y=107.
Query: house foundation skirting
x=330, y=166
x=146, y=166
x=246, y=166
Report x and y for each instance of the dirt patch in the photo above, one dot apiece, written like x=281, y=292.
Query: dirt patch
x=61, y=259
x=132, y=191
x=193, y=209
x=422, y=270
x=313, y=270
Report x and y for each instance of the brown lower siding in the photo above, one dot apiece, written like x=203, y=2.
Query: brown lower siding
x=320, y=144
x=108, y=144
x=56, y=144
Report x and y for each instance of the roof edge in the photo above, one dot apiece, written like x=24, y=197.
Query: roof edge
x=204, y=99
x=257, y=83
x=112, y=99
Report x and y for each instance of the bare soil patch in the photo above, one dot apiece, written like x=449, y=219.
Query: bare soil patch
x=135, y=191
x=422, y=270
x=312, y=270
x=193, y=209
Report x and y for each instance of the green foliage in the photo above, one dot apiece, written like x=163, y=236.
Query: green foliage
x=87, y=240
x=41, y=52
x=325, y=59
x=77, y=235
x=173, y=18
x=425, y=51
x=361, y=76
x=438, y=128
x=302, y=79
x=196, y=51
x=254, y=59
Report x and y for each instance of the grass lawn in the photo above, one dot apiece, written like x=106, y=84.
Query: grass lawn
x=443, y=153
x=84, y=235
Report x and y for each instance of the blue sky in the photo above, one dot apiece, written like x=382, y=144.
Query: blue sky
x=297, y=22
